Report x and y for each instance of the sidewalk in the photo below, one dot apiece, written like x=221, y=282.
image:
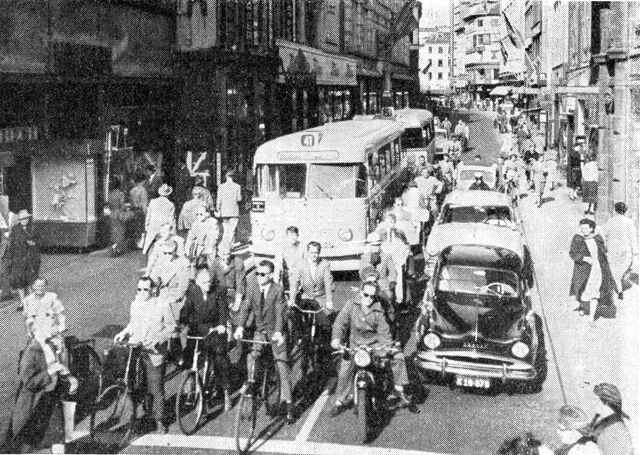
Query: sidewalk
x=586, y=356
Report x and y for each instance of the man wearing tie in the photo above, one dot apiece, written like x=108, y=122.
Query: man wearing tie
x=265, y=300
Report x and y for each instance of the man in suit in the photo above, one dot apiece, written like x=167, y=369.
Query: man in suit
x=171, y=273
x=228, y=206
x=161, y=210
x=265, y=300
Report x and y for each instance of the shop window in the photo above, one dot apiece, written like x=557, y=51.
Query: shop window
x=439, y=63
x=332, y=24
x=496, y=73
x=430, y=49
x=430, y=76
x=439, y=76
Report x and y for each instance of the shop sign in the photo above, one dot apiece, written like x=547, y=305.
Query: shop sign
x=19, y=134
x=198, y=166
x=328, y=69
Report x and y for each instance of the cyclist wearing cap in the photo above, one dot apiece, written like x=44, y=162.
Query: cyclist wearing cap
x=363, y=318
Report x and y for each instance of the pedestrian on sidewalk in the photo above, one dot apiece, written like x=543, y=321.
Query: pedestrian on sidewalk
x=161, y=210
x=574, y=171
x=621, y=241
x=551, y=165
x=591, y=283
x=589, y=169
x=139, y=195
x=188, y=213
x=574, y=433
x=610, y=431
x=23, y=256
x=539, y=178
x=228, y=206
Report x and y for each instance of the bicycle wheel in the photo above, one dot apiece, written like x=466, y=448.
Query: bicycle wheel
x=189, y=402
x=270, y=387
x=112, y=417
x=246, y=417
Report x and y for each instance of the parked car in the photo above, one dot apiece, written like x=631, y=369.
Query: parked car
x=477, y=328
x=461, y=208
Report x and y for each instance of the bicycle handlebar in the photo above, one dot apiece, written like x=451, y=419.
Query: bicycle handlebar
x=244, y=340
x=319, y=310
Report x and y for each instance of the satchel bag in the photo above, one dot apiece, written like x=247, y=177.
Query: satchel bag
x=629, y=278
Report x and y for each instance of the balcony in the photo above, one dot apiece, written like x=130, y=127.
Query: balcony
x=473, y=49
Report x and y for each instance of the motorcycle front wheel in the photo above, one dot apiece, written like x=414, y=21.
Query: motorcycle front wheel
x=362, y=421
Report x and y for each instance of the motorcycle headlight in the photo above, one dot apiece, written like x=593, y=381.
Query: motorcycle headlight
x=431, y=340
x=362, y=358
x=268, y=234
x=519, y=349
x=345, y=234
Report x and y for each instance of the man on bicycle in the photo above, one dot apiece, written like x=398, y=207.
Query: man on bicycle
x=363, y=318
x=151, y=325
x=265, y=301
x=172, y=276
x=205, y=314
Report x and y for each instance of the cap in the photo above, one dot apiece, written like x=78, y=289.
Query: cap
x=165, y=190
x=572, y=418
x=23, y=214
x=609, y=394
x=374, y=238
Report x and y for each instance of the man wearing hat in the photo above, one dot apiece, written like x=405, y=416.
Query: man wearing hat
x=479, y=183
x=228, y=206
x=161, y=210
x=611, y=432
x=23, y=256
x=573, y=430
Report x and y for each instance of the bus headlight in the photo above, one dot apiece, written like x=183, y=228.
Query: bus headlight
x=362, y=358
x=345, y=234
x=519, y=349
x=268, y=234
x=431, y=340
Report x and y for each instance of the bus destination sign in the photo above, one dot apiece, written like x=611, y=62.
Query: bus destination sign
x=320, y=155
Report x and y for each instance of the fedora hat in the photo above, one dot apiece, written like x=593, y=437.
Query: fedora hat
x=164, y=190
x=24, y=214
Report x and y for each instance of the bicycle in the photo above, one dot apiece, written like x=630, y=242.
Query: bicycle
x=196, y=383
x=114, y=412
x=310, y=355
x=252, y=398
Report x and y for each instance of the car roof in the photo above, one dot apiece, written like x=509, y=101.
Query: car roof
x=480, y=234
x=413, y=118
x=477, y=198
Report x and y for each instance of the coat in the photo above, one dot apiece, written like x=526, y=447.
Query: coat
x=23, y=260
x=33, y=380
x=363, y=329
x=201, y=316
x=228, y=199
x=582, y=269
x=612, y=436
x=269, y=318
x=173, y=277
x=319, y=288
x=202, y=238
x=386, y=269
x=161, y=210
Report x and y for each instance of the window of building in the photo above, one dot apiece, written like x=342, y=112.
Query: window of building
x=430, y=76
x=496, y=72
x=439, y=76
x=495, y=22
x=430, y=49
x=480, y=23
x=481, y=71
x=332, y=26
x=475, y=40
x=439, y=62
x=440, y=49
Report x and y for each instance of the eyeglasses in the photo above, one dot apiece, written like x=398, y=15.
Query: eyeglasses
x=263, y=273
x=364, y=294
x=200, y=214
x=144, y=289
x=168, y=253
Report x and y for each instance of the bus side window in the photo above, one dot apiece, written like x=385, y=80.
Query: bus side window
x=397, y=151
x=361, y=181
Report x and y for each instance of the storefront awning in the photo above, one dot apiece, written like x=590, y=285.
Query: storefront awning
x=526, y=91
x=402, y=77
x=329, y=69
x=368, y=72
x=461, y=84
x=500, y=90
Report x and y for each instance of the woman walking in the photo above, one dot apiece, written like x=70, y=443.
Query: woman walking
x=23, y=256
x=591, y=282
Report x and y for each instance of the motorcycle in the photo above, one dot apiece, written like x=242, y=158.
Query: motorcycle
x=373, y=390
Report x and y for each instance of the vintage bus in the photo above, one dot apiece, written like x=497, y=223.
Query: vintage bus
x=331, y=182
x=418, y=134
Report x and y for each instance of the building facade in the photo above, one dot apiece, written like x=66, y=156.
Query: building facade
x=435, y=60
x=512, y=65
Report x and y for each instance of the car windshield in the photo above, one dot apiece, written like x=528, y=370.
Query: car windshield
x=452, y=213
x=478, y=281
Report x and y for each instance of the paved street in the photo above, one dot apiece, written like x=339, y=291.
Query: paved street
x=97, y=289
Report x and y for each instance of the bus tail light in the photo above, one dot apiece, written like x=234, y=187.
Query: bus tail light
x=345, y=234
x=268, y=234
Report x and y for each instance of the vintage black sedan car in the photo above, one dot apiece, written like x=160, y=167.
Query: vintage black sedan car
x=477, y=326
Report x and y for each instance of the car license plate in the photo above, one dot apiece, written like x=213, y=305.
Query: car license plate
x=477, y=383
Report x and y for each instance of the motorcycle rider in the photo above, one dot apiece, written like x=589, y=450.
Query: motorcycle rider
x=366, y=324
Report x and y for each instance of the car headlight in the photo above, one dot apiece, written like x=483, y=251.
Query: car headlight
x=519, y=349
x=362, y=358
x=431, y=340
x=345, y=234
x=432, y=250
x=268, y=234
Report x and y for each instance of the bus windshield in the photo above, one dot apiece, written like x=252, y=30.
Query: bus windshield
x=325, y=181
x=412, y=138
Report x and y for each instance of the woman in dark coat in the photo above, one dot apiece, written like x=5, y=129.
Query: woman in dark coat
x=592, y=283
x=23, y=256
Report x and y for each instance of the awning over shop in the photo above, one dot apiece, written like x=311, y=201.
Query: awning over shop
x=500, y=90
x=461, y=84
x=402, y=77
x=368, y=72
x=329, y=69
x=526, y=91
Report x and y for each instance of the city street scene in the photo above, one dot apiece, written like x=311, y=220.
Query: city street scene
x=318, y=227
